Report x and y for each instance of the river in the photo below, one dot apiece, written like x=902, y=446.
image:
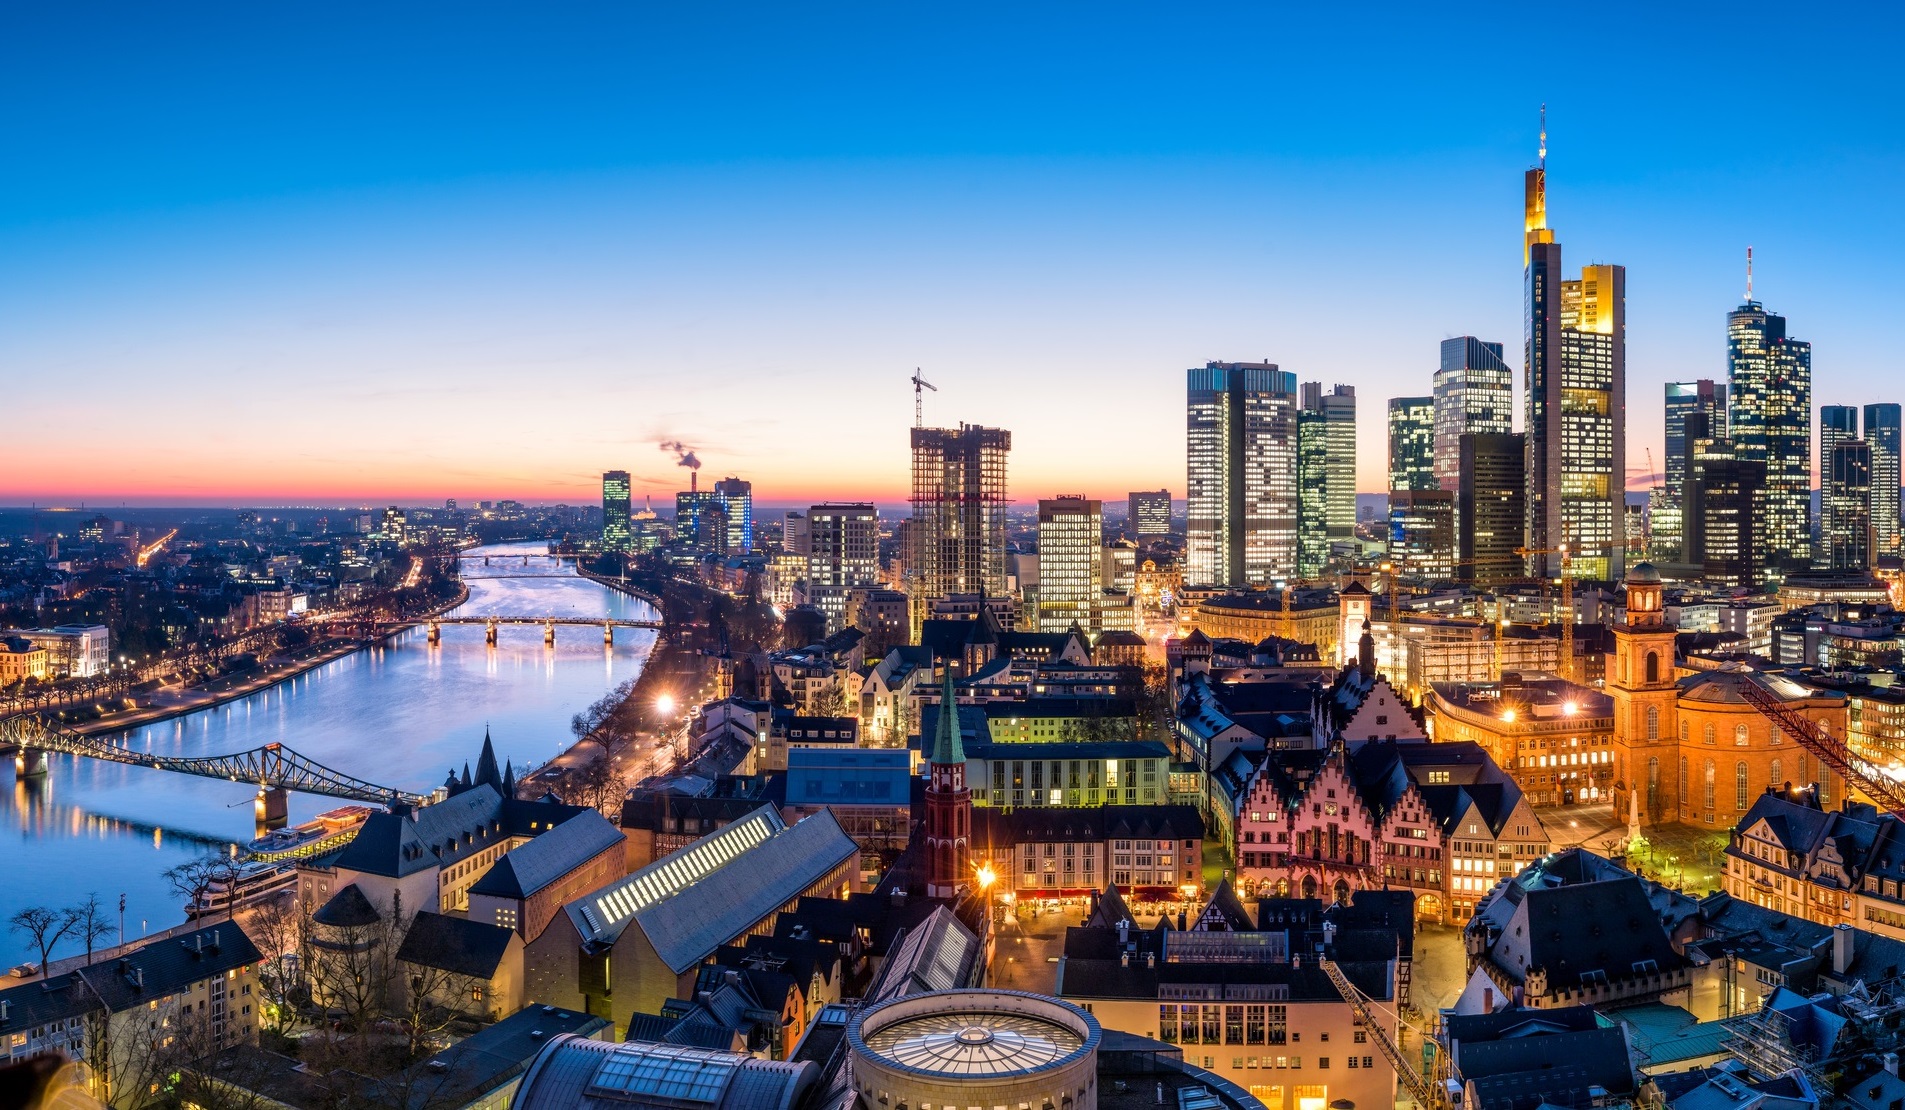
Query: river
x=399, y=715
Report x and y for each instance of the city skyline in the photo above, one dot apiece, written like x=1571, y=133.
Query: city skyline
x=236, y=287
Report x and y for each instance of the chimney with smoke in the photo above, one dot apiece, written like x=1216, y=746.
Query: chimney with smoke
x=685, y=456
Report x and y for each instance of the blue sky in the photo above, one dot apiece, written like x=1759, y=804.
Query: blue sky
x=279, y=253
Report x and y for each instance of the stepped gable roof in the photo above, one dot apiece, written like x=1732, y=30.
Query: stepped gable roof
x=547, y=858
x=456, y=945
x=1225, y=904
x=347, y=909
x=1109, y=909
x=1376, y=767
x=1606, y=926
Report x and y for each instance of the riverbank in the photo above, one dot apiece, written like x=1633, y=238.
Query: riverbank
x=168, y=702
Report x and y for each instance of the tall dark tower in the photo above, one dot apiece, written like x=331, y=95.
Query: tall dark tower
x=948, y=804
x=1770, y=390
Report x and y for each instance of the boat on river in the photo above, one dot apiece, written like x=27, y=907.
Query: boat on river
x=329, y=825
x=247, y=884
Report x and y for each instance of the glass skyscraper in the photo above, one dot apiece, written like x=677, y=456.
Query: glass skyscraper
x=1474, y=392
x=1683, y=400
x=616, y=534
x=1575, y=348
x=1846, y=504
x=1326, y=474
x=1412, y=444
x=1241, y=475
x=1071, y=584
x=1882, y=436
x=1769, y=377
x=1491, y=506
x=736, y=498
x=1837, y=424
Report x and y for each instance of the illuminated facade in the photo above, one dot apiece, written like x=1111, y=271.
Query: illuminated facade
x=1422, y=533
x=1683, y=399
x=1241, y=475
x=1326, y=464
x=1770, y=393
x=1845, y=534
x=736, y=498
x=616, y=535
x=1882, y=435
x=1723, y=527
x=1575, y=333
x=1412, y=443
x=843, y=542
x=1149, y=513
x=957, y=533
x=1071, y=584
x=1474, y=393
x=1491, y=506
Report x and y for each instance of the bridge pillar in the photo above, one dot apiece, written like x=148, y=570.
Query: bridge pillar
x=29, y=762
x=436, y=633
x=549, y=634
x=489, y=634
x=608, y=635
x=270, y=807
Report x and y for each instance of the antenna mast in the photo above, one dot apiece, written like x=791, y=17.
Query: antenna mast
x=1544, y=136
x=919, y=398
x=1749, y=272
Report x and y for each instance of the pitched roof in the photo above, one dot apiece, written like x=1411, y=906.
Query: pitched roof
x=347, y=909
x=946, y=745
x=456, y=945
x=152, y=971
x=547, y=858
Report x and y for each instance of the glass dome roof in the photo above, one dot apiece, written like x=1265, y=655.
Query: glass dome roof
x=973, y=1042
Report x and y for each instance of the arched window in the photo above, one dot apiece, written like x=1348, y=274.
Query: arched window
x=1653, y=722
x=1683, y=728
x=1709, y=734
x=1739, y=785
x=1653, y=667
x=1653, y=783
x=1739, y=735
x=1802, y=769
x=1683, y=784
x=1773, y=773
x=1709, y=794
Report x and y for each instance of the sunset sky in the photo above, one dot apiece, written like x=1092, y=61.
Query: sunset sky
x=279, y=254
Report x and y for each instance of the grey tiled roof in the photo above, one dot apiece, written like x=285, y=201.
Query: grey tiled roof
x=456, y=945
x=528, y=869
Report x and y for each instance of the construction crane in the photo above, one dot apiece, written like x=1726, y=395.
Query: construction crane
x=1567, y=605
x=1426, y=1094
x=1815, y=739
x=919, y=398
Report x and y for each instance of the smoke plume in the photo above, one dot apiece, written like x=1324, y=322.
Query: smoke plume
x=684, y=454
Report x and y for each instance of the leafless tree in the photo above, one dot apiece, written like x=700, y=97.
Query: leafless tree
x=43, y=928
x=194, y=878
x=280, y=928
x=90, y=924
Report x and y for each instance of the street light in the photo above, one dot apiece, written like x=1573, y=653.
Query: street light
x=665, y=704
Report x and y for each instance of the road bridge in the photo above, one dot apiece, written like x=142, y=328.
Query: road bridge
x=608, y=625
x=274, y=769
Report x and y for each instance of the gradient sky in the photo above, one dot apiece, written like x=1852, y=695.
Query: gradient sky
x=280, y=253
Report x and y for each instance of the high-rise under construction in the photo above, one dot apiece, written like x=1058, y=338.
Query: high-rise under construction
x=957, y=537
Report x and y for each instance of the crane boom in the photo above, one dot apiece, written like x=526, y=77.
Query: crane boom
x=919, y=398
x=1820, y=743
x=1423, y=1091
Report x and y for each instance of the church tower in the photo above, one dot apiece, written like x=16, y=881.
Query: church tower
x=948, y=804
x=1640, y=680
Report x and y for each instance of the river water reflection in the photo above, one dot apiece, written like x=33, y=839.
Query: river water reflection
x=401, y=715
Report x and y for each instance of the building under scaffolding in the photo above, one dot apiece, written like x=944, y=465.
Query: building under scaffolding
x=958, y=527
x=1829, y=1038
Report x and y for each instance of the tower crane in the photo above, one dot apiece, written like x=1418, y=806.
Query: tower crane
x=919, y=398
x=1426, y=1094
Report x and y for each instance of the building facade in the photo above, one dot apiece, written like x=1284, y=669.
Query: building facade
x=1241, y=475
x=1149, y=513
x=1769, y=376
x=1327, y=507
x=1474, y=394
x=1882, y=434
x=1412, y=444
x=957, y=532
x=843, y=555
x=736, y=498
x=615, y=504
x=1683, y=399
x=1491, y=506
x=1071, y=584
x=1845, y=534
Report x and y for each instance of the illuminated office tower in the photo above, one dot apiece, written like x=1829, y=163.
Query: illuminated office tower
x=1071, y=582
x=1474, y=392
x=1491, y=506
x=1422, y=533
x=1837, y=424
x=1769, y=379
x=1722, y=526
x=1326, y=509
x=1846, y=505
x=1241, y=475
x=843, y=555
x=616, y=535
x=1882, y=436
x=1150, y=513
x=1312, y=482
x=1412, y=443
x=959, y=499
x=1683, y=399
x=1575, y=400
x=736, y=498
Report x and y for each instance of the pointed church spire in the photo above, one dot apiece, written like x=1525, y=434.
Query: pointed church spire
x=947, y=747
x=487, y=773
x=509, y=779
x=466, y=773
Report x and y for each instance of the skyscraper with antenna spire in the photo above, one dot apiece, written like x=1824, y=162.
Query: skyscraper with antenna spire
x=1575, y=373
x=1769, y=377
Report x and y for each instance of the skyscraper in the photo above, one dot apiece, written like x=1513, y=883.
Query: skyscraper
x=1474, y=392
x=1491, y=506
x=1723, y=503
x=1882, y=436
x=1683, y=399
x=1422, y=533
x=959, y=500
x=1412, y=443
x=736, y=498
x=1846, y=505
x=1312, y=482
x=1770, y=391
x=1241, y=475
x=1575, y=333
x=616, y=535
x=843, y=554
x=1326, y=499
x=1071, y=584
x=1837, y=424
x=1150, y=513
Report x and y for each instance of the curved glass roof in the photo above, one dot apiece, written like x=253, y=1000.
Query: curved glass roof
x=973, y=1042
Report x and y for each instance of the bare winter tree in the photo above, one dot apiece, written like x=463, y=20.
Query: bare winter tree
x=280, y=929
x=193, y=879
x=91, y=923
x=43, y=928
